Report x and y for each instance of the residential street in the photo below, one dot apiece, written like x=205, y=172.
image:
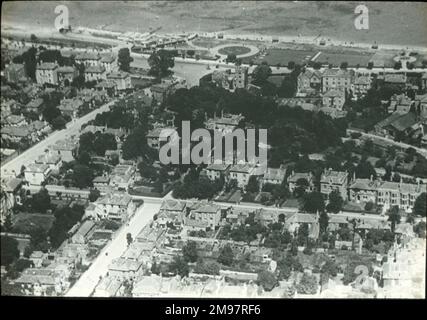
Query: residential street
x=88, y=281
x=32, y=153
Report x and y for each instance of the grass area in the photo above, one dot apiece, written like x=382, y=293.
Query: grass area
x=283, y=56
x=353, y=58
x=24, y=222
x=237, y=50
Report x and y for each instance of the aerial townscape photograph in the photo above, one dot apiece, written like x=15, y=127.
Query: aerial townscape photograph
x=213, y=149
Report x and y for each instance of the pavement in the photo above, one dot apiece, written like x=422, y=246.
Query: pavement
x=31, y=154
x=114, y=249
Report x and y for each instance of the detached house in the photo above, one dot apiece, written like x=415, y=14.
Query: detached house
x=333, y=99
x=121, y=79
x=117, y=206
x=337, y=79
x=309, y=81
x=297, y=177
x=205, y=216
x=47, y=73
x=274, y=175
x=215, y=171
x=95, y=73
x=334, y=180
x=171, y=211
x=241, y=173
x=36, y=174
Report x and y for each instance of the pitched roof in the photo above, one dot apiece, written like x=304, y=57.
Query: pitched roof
x=172, y=205
x=47, y=66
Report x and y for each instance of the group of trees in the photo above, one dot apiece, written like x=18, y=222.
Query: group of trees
x=160, y=62
x=196, y=186
x=97, y=143
x=65, y=218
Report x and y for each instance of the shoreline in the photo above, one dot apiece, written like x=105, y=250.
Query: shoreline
x=42, y=31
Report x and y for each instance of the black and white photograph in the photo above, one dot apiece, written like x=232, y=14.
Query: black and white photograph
x=196, y=150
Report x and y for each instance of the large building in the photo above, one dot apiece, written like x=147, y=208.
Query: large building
x=121, y=79
x=241, y=77
x=399, y=194
x=334, y=180
x=309, y=81
x=47, y=73
x=333, y=98
x=337, y=79
x=95, y=73
x=385, y=193
x=363, y=190
x=208, y=214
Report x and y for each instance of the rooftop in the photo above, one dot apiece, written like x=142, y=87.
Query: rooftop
x=47, y=66
x=334, y=177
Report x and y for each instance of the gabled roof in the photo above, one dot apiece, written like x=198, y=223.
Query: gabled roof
x=208, y=208
x=172, y=205
x=302, y=218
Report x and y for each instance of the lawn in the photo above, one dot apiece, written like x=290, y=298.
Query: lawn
x=25, y=222
x=237, y=50
x=283, y=56
x=353, y=58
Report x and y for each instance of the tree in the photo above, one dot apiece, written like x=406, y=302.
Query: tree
x=267, y=280
x=124, y=59
x=313, y=202
x=365, y=170
x=189, y=252
x=252, y=185
x=420, y=229
x=94, y=194
x=33, y=38
x=226, y=255
x=323, y=222
x=129, y=238
x=307, y=285
x=65, y=218
x=420, y=206
x=30, y=62
x=82, y=176
x=160, y=62
x=179, y=266
x=41, y=201
x=9, y=250
x=212, y=268
x=59, y=123
x=335, y=202
x=394, y=217
x=344, y=65
x=261, y=73
x=231, y=57
x=291, y=65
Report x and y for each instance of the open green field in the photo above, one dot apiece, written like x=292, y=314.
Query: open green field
x=353, y=58
x=237, y=50
x=25, y=222
x=283, y=56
